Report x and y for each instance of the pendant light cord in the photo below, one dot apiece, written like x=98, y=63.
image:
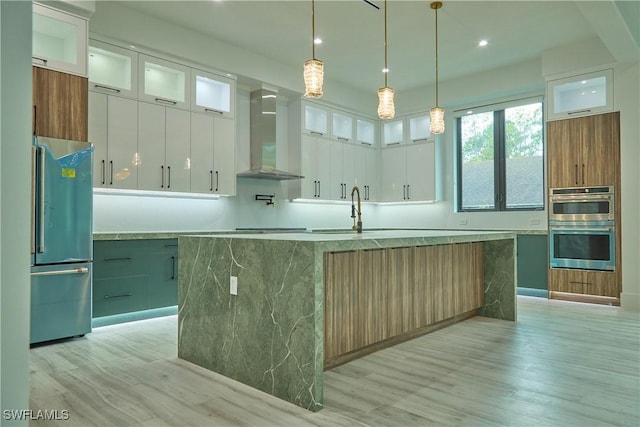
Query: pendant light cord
x=436, y=9
x=313, y=29
x=385, y=44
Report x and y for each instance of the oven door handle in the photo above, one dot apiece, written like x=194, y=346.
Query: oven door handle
x=582, y=230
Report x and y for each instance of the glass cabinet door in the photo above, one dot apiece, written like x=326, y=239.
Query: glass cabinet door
x=59, y=40
x=163, y=82
x=419, y=128
x=580, y=95
x=392, y=132
x=212, y=94
x=315, y=120
x=365, y=132
x=112, y=69
x=342, y=128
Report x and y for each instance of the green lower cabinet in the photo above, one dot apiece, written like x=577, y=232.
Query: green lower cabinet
x=532, y=263
x=134, y=275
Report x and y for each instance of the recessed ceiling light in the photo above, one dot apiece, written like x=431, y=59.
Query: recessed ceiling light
x=584, y=82
x=317, y=40
x=385, y=70
x=470, y=112
x=593, y=91
x=483, y=43
x=132, y=46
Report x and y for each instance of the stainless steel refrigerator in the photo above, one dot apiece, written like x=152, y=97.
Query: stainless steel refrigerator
x=61, y=239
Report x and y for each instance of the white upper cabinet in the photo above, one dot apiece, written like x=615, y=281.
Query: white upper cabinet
x=112, y=69
x=316, y=120
x=212, y=94
x=393, y=132
x=163, y=82
x=342, y=126
x=365, y=132
x=581, y=95
x=59, y=40
x=408, y=173
x=419, y=128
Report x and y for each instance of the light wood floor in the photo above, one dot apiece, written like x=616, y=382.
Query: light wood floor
x=561, y=364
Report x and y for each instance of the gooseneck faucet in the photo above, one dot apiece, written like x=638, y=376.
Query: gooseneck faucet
x=356, y=226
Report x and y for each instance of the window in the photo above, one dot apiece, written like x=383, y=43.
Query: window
x=500, y=158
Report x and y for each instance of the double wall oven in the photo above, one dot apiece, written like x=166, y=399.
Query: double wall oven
x=582, y=228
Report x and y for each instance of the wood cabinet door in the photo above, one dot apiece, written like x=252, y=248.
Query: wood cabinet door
x=600, y=149
x=60, y=105
x=564, y=153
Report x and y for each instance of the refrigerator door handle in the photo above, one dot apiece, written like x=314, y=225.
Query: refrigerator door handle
x=42, y=189
x=82, y=270
x=33, y=198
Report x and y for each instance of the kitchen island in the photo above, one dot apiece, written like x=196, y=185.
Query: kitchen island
x=308, y=301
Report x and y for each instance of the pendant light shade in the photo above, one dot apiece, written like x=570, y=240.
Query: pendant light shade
x=313, y=78
x=437, y=120
x=386, y=108
x=313, y=68
x=437, y=113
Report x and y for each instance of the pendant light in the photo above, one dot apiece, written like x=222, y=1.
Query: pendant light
x=386, y=109
x=437, y=113
x=313, y=68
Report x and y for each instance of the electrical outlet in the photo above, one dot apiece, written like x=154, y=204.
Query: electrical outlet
x=233, y=285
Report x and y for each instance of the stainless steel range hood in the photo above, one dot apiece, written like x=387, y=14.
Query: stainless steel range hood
x=263, y=139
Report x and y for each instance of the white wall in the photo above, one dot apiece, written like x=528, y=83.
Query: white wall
x=15, y=190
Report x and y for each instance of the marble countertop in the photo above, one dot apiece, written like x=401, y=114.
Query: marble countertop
x=320, y=234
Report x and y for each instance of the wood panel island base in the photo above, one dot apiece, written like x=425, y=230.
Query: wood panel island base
x=306, y=301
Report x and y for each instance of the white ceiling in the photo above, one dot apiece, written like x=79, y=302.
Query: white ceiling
x=353, y=33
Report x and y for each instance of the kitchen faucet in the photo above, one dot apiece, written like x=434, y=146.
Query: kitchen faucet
x=356, y=227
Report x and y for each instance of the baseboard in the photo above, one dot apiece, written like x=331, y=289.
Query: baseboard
x=96, y=322
x=591, y=299
x=533, y=292
x=630, y=301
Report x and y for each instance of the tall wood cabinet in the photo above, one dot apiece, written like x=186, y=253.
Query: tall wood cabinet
x=60, y=103
x=584, y=151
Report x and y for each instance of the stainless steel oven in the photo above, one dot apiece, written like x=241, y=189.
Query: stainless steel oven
x=582, y=204
x=582, y=245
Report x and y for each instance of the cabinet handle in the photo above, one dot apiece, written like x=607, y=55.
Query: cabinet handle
x=209, y=110
x=81, y=270
x=43, y=60
x=35, y=119
x=162, y=176
x=393, y=143
x=404, y=192
x=112, y=89
x=41, y=234
x=318, y=188
x=124, y=258
x=340, y=138
x=210, y=180
x=173, y=268
x=217, y=181
x=313, y=132
x=408, y=191
x=168, y=101
x=580, y=283
x=168, y=176
x=118, y=296
x=579, y=111
x=111, y=172
x=315, y=188
x=576, y=174
x=366, y=143
x=420, y=140
x=583, y=174
x=103, y=171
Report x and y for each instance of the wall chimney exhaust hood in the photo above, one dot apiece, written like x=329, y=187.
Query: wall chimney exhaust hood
x=263, y=139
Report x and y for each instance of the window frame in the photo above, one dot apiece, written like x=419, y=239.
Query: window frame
x=499, y=159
